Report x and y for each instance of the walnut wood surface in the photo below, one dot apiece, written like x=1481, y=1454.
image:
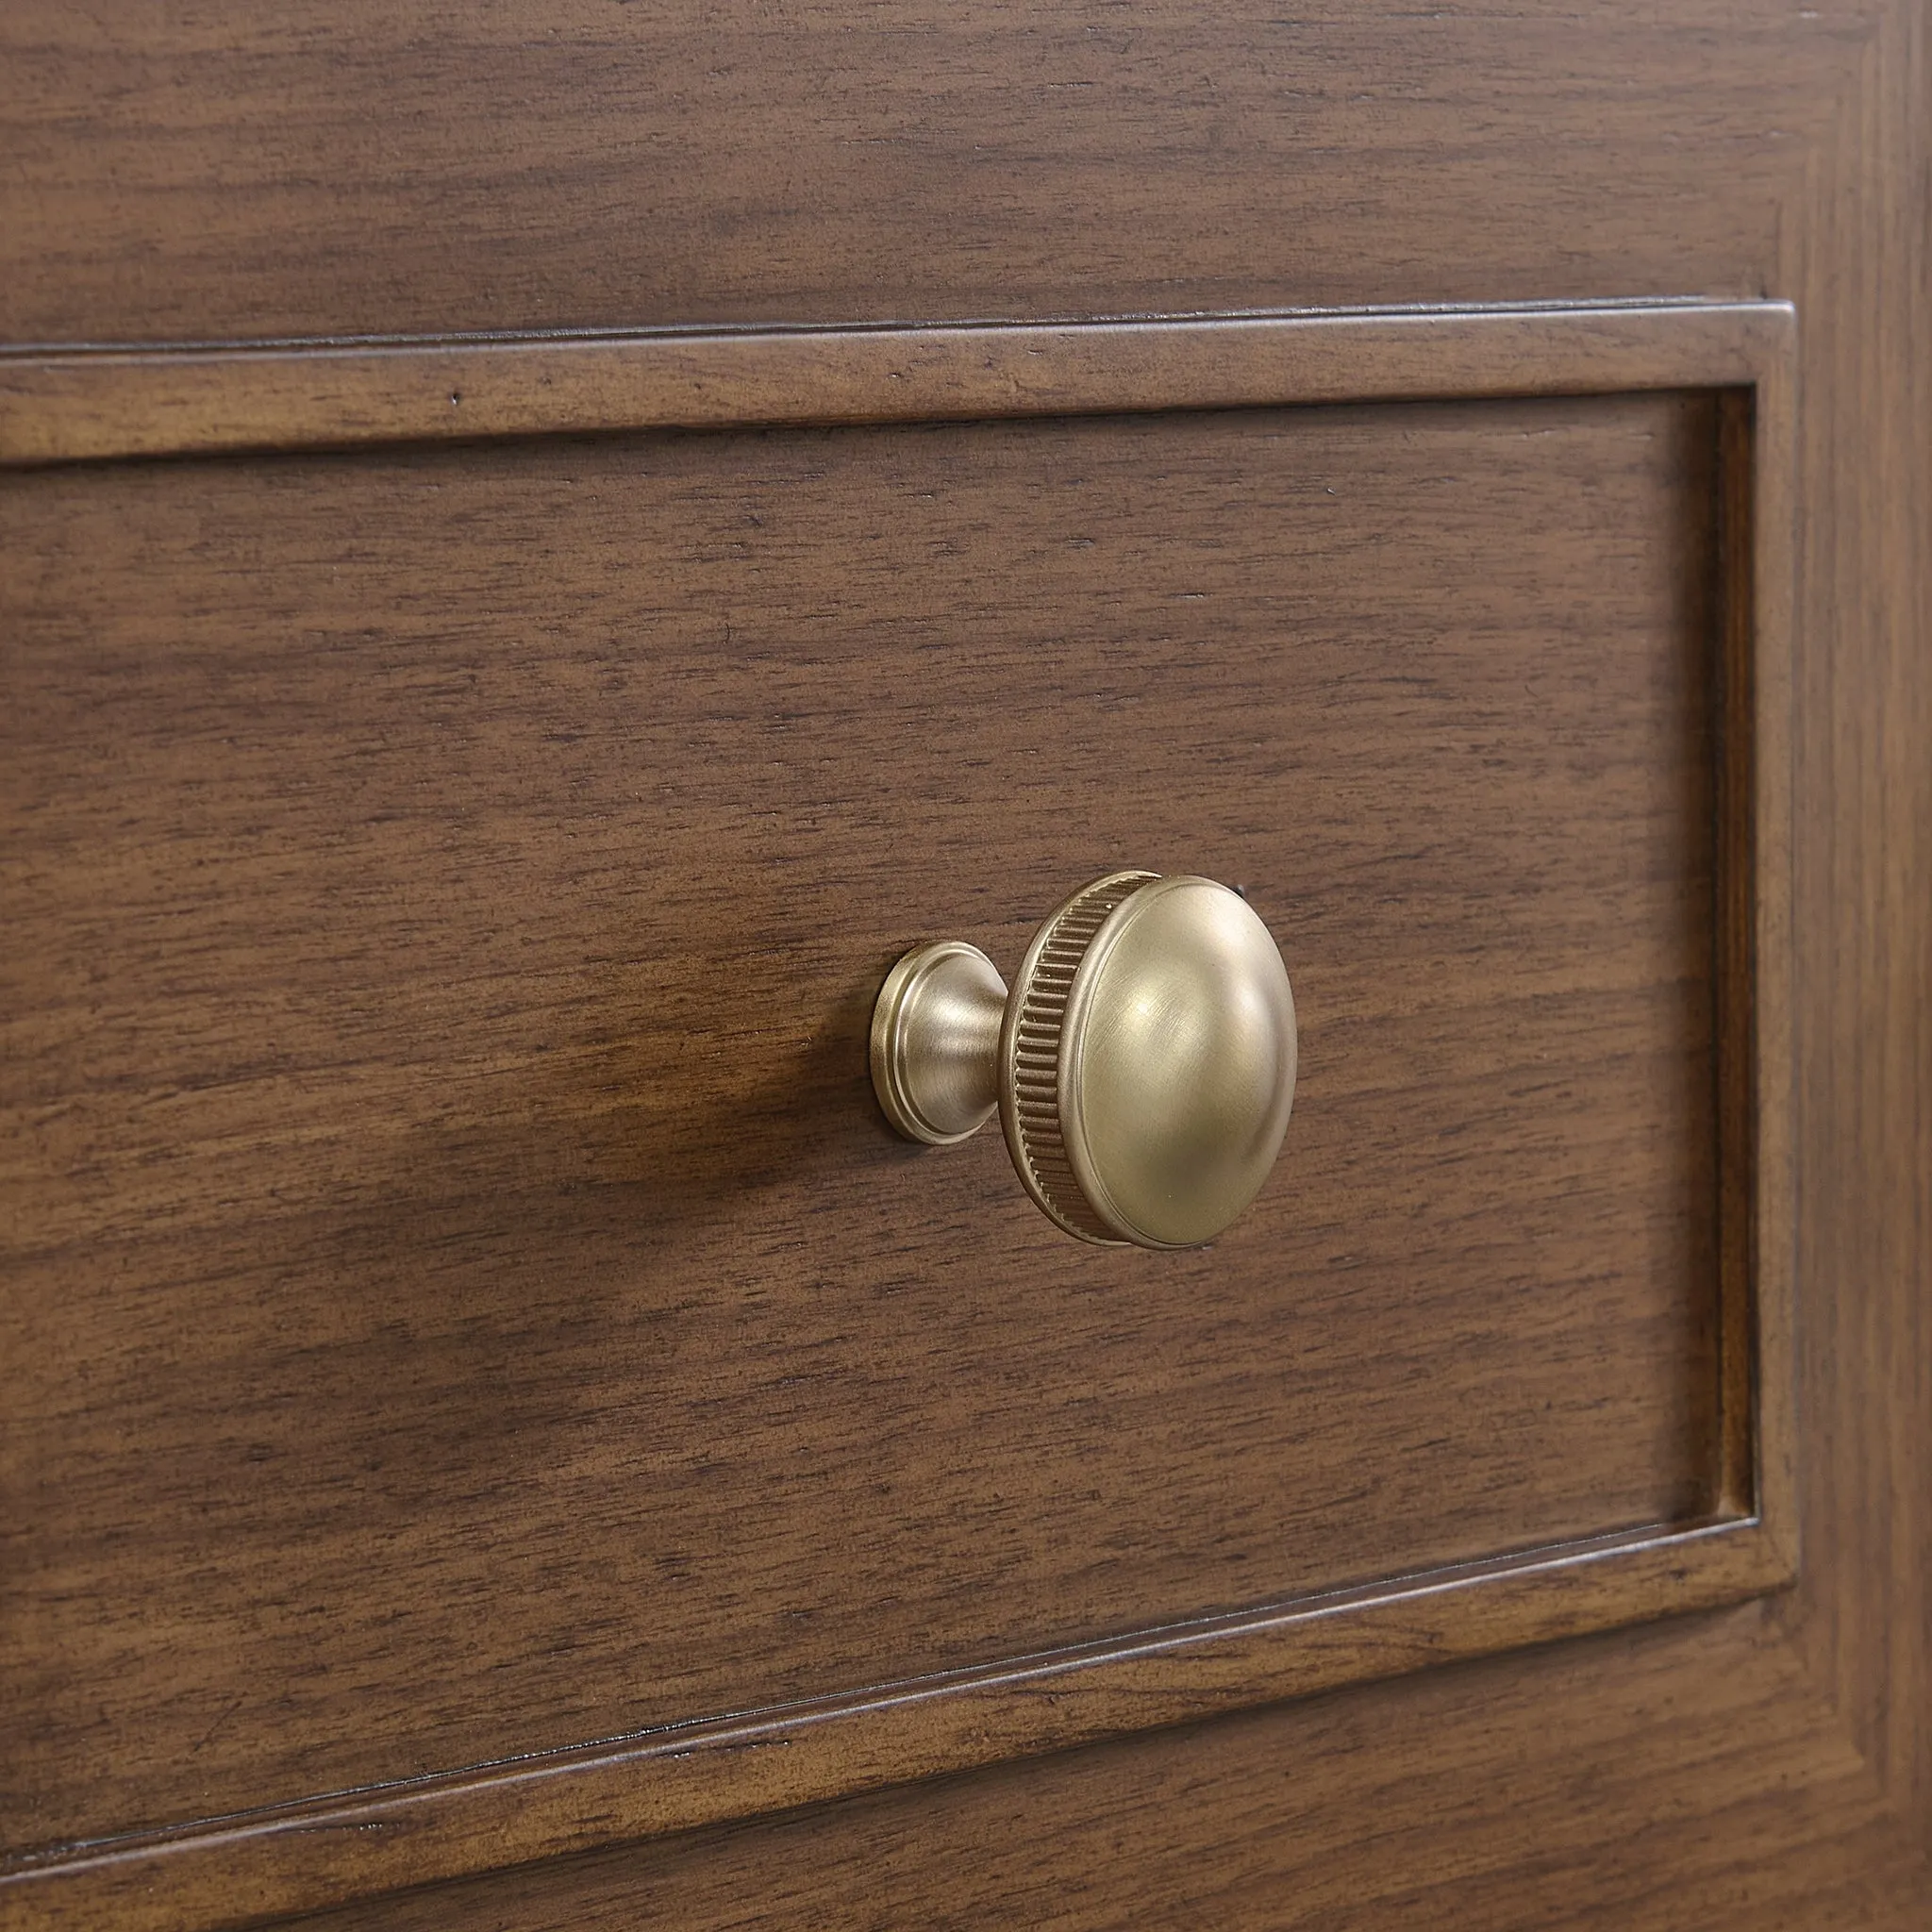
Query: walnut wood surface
x=383, y=170
x=375, y=166
x=80, y=406
x=469, y=1284
x=1858, y=249
x=225, y=1872
x=1447, y=1800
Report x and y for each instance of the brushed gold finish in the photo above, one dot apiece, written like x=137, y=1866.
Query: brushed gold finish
x=935, y=1038
x=1032, y=1043
x=1143, y=1064
x=1178, y=1063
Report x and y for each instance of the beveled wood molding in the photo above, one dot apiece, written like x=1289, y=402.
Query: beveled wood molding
x=236, y=1871
x=88, y=405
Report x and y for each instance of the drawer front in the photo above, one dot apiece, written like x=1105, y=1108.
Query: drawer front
x=541, y=549
x=471, y=1303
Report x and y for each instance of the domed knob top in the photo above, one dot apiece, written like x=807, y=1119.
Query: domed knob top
x=1149, y=1057
x=1143, y=1064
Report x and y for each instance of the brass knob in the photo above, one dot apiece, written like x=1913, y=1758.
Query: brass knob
x=1142, y=1065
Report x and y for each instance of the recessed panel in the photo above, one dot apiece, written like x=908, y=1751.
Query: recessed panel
x=463, y=1297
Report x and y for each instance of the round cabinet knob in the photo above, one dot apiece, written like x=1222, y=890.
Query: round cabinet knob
x=1142, y=1065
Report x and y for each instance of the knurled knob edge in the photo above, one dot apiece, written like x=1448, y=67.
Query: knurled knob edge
x=1032, y=1061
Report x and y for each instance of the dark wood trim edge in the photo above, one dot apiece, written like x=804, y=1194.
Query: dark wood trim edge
x=1760, y=646
x=1736, y=1079
x=97, y=404
x=237, y=1871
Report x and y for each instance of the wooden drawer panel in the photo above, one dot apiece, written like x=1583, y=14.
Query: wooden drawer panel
x=369, y=166
x=465, y=1293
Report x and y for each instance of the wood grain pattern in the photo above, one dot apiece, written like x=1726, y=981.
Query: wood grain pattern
x=1697, y=1779
x=232, y=1872
x=376, y=166
x=206, y=175
x=1860, y=246
x=87, y=407
x=393, y=1231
